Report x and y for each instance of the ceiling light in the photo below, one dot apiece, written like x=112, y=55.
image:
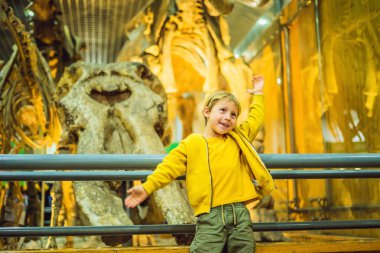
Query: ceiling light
x=263, y=21
x=254, y=3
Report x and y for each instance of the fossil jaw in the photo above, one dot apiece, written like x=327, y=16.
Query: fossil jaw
x=109, y=93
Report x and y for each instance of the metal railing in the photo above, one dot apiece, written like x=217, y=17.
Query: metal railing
x=179, y=229
x=146, y=162
x=17, y=167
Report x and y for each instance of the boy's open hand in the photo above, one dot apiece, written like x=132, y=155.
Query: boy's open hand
x=258, y=85
x=137, y=194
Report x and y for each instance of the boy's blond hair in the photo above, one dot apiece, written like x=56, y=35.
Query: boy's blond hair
x=219, y=95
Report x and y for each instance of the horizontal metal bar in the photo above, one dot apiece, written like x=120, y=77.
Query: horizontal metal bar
x=73, y=175
x=141, y=175
x=356, y=160
x=146, y=162
x=319, y=174
x=79, y=161
x=180, y=229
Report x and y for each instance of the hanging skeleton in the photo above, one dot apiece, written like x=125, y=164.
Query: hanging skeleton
x=193, y=36
x=28, y=119
x=58, y=46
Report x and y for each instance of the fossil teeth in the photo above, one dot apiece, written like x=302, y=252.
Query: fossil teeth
x=98, y=88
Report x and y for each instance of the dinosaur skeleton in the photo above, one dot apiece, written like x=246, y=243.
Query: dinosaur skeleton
x=56, y=43
x=182, y=35
x=29, y=115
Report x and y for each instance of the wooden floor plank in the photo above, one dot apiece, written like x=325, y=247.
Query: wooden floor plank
x=294, y=247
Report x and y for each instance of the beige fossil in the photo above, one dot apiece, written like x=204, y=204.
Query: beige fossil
x=116, y=108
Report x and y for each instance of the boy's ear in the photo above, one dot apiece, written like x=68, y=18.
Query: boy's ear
x=206, y=112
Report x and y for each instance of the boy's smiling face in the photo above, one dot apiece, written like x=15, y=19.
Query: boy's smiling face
x=221, y=118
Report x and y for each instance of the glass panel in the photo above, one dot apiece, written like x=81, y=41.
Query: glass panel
x=351, y=77
x=268, y=63
x=305, y=85
x=351, y=50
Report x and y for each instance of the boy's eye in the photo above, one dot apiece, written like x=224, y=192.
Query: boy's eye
x=222, y=109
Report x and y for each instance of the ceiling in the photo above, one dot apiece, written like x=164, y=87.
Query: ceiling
x=100, y=24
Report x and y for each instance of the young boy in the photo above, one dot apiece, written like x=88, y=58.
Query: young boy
x=219, y=167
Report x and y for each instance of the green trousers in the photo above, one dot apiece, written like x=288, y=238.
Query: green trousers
x=227, y=228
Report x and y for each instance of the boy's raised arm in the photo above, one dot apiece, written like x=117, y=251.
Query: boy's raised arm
x=258, y=85
x=251, y=126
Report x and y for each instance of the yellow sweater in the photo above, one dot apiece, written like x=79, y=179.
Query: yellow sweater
x=191, y=158
x=231, y=182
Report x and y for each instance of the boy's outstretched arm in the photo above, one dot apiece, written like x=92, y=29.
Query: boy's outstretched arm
x=136, y=195
x=172, y=166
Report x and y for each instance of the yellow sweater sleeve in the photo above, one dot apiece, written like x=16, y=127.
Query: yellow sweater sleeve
x=255, y=120
x=171, y=167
